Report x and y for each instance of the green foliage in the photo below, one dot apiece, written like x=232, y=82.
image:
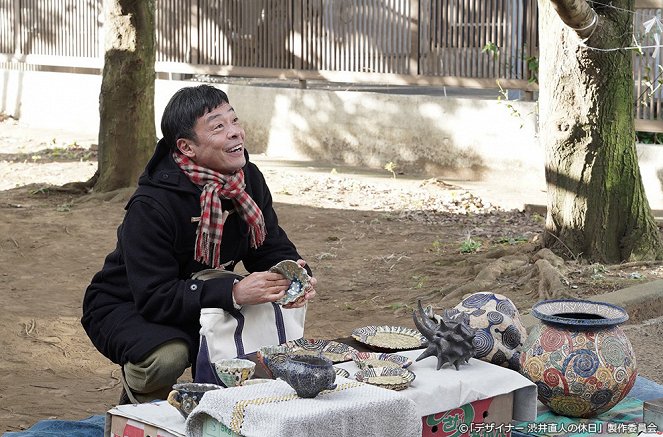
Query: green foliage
x=504, y=97
x=492, y=49
x=532, y=61
x=533, y=67
x=649, y=137
x=469, y=245
x=391, y=167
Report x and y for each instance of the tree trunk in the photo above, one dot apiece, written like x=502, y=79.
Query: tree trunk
x=126, y=103
x=597, y=207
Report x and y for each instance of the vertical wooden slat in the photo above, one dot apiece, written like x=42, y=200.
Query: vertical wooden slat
x=84, y=11
x=370, y=54
x=317, y=38
x=436, y=29
x=46, y=36
x=374, y=37
x=360, y=35
x=485, y=29
x=473, y=42
x=212, y=24
x=38, y=28
x=18, y=27
x=194, y=35
x=380, y=14
x=388, y=36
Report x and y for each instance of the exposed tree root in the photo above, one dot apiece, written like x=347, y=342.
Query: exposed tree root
x=78, y=187
x=542, y=266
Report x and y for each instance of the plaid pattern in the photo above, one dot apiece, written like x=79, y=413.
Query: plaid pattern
x=217, y=186
x=623, y=419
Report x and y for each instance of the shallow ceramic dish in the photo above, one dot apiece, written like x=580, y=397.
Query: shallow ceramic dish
x=377, y=359
x=390, y=337
x=332, y=350
x=342, y=372
x=393, y=378
x=300, y=280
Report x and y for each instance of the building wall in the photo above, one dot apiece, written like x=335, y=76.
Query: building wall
x=454, y=138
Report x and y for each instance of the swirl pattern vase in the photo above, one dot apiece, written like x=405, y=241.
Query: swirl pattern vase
x=579, y=357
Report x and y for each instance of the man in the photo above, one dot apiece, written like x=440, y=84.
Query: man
x=200, y=204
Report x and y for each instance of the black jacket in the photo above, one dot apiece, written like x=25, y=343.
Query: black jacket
x=144, y=295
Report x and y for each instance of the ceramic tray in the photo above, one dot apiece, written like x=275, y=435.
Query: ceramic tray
x=390, y=337
x=377, y=359
x=393, y=378
x=333, y=350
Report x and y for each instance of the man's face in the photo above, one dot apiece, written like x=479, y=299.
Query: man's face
x=219, y=143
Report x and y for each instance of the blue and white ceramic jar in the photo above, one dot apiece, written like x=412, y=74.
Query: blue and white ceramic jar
x=499, y=334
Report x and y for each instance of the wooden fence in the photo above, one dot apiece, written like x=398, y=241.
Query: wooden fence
x=459, y=43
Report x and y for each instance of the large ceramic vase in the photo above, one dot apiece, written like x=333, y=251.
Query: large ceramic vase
x=579, y=357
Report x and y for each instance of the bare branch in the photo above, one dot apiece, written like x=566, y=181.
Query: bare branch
x=578, y=15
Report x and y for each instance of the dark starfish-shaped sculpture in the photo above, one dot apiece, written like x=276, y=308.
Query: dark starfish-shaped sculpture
x=451, y=340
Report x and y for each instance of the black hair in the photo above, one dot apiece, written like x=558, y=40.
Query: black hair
x=185, y=107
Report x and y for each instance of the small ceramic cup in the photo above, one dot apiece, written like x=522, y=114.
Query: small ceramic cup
x=234, y=371
x=185, y=396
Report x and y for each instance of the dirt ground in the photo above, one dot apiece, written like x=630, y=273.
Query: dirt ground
x=376, y=243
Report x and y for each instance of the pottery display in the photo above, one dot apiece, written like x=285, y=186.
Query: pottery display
x=186, y=396
x=450, y=339
x=392, y=378
x=234, y=371
x=499, y=332
x=377, y=359
x=300, y=280
x=330, y=349
x=579, y=357
x=389, y=337
x=307, y=374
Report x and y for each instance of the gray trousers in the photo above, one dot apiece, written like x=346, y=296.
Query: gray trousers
x=153, y=378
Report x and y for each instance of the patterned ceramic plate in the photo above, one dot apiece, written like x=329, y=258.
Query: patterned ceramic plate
x=377, y=359
x=342, y=372
x=390, y=337
x=333, y=350
x=393, y=378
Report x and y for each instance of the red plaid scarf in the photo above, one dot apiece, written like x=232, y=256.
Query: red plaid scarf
x=217, y=186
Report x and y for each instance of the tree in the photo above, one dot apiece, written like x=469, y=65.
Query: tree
x=126, y=102
x=597, y=205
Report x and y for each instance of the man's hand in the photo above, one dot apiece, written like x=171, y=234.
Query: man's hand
x=260, y=287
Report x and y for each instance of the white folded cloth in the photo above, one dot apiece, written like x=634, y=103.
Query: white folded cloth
x=274, y=409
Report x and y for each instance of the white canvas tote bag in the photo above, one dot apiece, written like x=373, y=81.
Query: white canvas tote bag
x=237, y=333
